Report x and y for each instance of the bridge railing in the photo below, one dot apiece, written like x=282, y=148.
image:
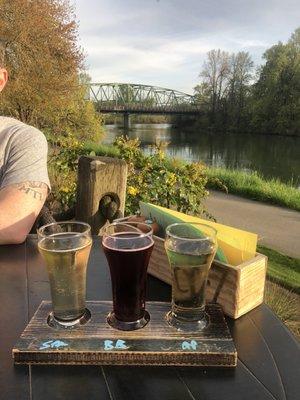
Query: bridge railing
x=137, y=98
x=134, y=107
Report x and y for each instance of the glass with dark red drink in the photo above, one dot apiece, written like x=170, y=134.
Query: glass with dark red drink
x=127, y=247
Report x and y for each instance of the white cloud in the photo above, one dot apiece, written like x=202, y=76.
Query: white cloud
x=110, y=61
x=164, y=43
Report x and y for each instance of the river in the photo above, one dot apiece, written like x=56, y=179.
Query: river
x=271, y=156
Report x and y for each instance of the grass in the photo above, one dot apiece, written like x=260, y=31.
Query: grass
x=282, y=269
x=246, y=184
x=253, y=186
x=285, y=305
x=102, y=149
x=283, y=287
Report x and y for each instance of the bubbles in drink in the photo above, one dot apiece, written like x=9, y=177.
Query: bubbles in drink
x=190, y=262
x=66, y=255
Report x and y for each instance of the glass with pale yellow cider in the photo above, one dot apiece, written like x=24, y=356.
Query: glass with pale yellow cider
x=65, y=248
x=190, y=249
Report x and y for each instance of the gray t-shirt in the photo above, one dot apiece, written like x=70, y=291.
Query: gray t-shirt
x=23, y=153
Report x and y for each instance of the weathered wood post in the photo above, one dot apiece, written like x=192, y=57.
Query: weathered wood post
x=99, y=178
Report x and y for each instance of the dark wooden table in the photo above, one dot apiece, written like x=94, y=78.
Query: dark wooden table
x=268, y=366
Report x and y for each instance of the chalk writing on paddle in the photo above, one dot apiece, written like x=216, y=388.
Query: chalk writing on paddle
x=118, y=345
x=192, y=345
x=53, y=344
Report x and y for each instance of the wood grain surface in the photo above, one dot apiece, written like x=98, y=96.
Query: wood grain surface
x=97, y=177
x=98, y=343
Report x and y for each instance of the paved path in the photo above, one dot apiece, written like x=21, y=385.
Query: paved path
x=277, y=227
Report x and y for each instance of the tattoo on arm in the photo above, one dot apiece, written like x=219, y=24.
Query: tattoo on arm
x=32, y=188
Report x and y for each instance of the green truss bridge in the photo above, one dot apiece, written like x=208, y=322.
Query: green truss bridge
x=129, y=98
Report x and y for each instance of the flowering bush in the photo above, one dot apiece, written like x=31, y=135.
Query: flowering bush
x=160, y=180
x=151, y=178
x=62, y=167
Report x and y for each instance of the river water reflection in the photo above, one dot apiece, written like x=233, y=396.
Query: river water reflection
x=272, y=156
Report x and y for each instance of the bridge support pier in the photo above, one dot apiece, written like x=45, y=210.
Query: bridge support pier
x=126, y=121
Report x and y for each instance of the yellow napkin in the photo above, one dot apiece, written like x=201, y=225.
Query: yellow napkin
x=237, y=245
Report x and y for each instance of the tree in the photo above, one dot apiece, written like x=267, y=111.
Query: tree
x=214, y=81
x=276, y=95
x=224, y=88
x=240, y=76
x=44, y=62
x=230, y=101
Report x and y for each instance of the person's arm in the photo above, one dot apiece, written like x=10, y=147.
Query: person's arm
x=20, y=204
x=24, y=183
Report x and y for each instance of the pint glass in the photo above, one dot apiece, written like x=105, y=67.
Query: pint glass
x=190, y=249
x=127, y=247
x=65, y=247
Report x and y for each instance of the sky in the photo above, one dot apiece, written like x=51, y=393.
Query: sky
x=164, y=42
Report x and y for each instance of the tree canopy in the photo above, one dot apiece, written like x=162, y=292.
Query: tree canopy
x=44, y=61
x=224, y=88
x=233, y=101
x=276, y=94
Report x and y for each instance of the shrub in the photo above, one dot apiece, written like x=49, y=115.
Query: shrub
x=62, y=168
x=153, y=178
x=160, y=180
x=63, y=189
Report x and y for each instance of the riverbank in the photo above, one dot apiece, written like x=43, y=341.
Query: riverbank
x=253, y=186
x=249, y=185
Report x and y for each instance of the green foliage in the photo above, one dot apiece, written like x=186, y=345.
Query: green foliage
x=247, y=184
x=62, y=168
x=78, y=119
x=162, y=181
x=224, y=90
x=155, y=178
x=97, y=149
x=231, y=102
x=63, y=188
x=276, y=95
x=182, y=195
x=65, y=152
x=282, y=269
x=252, y=185
x=43, y=59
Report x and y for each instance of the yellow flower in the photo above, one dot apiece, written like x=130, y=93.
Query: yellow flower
x=132, y=190
x=171, y=178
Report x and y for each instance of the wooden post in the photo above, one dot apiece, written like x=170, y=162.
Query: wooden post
x=97, y=177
